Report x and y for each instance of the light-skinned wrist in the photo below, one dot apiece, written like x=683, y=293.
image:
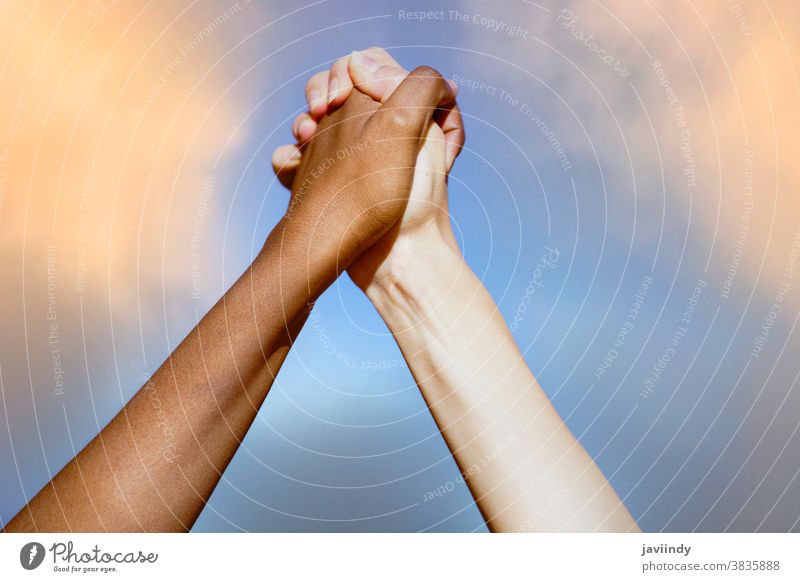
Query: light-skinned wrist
x=420, y=267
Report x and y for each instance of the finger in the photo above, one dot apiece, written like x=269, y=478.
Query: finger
x=382, y=56
x=317, y=94
x=409, y=109
x=379, y=77
x=373, y=78
x=339, y=83
x=285, y=161
x=303, y=128
x=449, y=119
x=379, y=81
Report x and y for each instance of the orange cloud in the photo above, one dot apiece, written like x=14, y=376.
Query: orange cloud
x=732, y=69
x=111, y=122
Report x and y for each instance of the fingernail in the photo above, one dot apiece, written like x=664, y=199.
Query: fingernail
x=295, y=155
x=366, y=62
x=305, y=126
x=333, y=89
x=314, y=99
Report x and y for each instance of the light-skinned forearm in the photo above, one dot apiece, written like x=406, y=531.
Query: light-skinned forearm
x=524, y=467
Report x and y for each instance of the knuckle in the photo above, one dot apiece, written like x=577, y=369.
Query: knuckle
x=398, y=118
x=431, y=80
x=427, y=72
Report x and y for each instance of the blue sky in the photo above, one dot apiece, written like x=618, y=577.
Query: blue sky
x=644, y=212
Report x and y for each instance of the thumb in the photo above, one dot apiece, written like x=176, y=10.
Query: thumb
x=375, y=79
x=408, y=110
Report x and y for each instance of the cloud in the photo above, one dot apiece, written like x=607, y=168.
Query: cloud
x=718, y=83
x=113, y=124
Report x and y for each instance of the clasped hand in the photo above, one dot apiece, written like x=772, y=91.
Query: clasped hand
x=371, y=159
x=368, y=175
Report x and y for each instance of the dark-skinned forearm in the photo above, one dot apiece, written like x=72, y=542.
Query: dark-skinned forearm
x=156, y=463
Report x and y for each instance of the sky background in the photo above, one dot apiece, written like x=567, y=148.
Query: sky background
x=653, y=145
